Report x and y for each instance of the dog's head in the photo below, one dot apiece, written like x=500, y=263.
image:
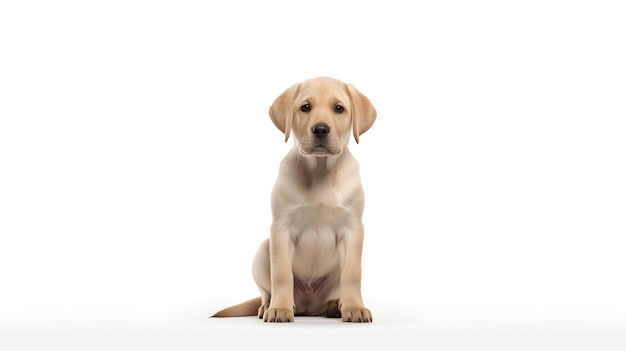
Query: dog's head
x=320, y=113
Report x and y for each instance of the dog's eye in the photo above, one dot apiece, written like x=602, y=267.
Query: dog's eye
x=305, y=108
x=339, y=108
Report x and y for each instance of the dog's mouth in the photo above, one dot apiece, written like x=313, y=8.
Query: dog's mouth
x=319, y=150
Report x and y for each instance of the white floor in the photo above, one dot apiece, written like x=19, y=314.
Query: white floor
x=181, y=326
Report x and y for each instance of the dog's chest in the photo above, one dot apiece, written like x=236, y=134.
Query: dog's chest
x=316, y=233
x=319, y=203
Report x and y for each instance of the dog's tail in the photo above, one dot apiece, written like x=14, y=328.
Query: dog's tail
x=248, y=308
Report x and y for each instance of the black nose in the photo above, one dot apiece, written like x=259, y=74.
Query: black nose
x=320, y=130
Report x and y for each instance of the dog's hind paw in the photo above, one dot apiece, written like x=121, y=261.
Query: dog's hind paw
x=262, y=310
x=331, y=309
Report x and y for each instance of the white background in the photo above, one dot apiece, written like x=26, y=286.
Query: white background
x=137, y=159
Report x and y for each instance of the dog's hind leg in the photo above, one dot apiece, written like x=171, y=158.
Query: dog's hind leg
x=261, y=275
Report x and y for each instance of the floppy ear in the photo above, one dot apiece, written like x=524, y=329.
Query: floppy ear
x=363, y=113
x=281, y=110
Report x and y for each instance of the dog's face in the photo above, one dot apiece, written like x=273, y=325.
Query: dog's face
x=321, y=118
x=320, y=113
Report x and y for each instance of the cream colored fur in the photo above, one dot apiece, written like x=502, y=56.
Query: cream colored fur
x=311, y=263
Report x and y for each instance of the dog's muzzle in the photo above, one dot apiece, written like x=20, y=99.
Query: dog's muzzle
x=320, y=131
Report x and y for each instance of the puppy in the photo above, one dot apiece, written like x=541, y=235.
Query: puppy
x=311, y=263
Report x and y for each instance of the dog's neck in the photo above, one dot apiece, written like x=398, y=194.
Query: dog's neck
x=321, y=166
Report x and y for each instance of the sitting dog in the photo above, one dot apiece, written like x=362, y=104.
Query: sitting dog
x=311, y=263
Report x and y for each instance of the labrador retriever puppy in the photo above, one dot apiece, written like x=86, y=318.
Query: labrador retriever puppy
x=311, y=263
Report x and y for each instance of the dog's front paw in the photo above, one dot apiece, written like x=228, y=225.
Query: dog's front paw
x=356, y=314
x=278, y=315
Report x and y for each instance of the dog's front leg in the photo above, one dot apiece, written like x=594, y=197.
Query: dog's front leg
x=350, y=300
x=282, y=306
